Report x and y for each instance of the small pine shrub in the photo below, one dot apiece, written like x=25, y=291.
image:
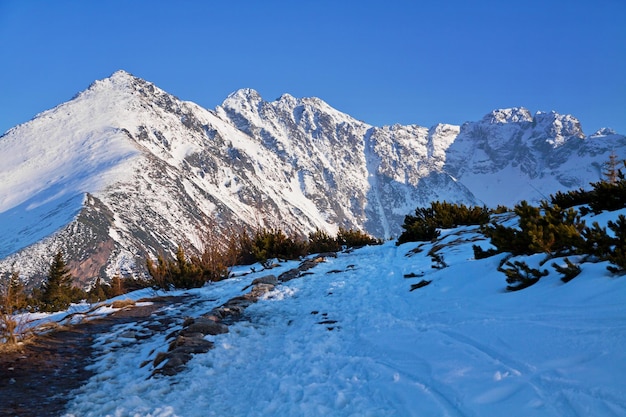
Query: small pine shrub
x=500, y=210
x=187, y=272
x=240, y=248
x=419, y=227
x=440, y=215
x=610, y=193
x=420, y=284
x=598, y=244
x=480, y=253
x=320, y=241
x=617, y=256
x=569, y=271
x=545, y=229
x=571, y=198
x=519, y=275
x=354, y=238
x=449, y=215
x=98, y=292
x=507, y=239
x=274, y=243
x=438, y=261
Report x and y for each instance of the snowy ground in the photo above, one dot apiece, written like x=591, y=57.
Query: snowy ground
x=350, y=339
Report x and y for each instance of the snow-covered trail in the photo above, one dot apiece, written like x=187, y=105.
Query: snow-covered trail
x=351, y=339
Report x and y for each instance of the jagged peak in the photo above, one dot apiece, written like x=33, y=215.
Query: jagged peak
x=122, y=74
x=245, y=94
x=604, y=131
x=558, y=125
x=444, y=127
x=287, y=97
x=120, y=80
x=508, y=115
x=552, y=115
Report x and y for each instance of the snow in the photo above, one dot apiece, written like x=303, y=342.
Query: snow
x=50, y=163
x=350, y=339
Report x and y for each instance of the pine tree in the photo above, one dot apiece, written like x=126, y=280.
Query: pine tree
x=611, y=174
x=98, y=292
x=116, y=288
x=12, y=299
x=57, y=291
x=12, y=294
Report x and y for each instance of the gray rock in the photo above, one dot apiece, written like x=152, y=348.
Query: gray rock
x=206, y=326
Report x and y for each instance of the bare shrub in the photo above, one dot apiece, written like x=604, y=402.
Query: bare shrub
x=12, y=301
x=122, y=303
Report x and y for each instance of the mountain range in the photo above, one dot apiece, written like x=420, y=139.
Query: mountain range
x=125, y=171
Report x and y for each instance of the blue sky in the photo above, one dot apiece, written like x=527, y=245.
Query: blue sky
x=383, y=62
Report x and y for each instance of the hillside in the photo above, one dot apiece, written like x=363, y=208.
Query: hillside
x=350, y=337
x=125, y=171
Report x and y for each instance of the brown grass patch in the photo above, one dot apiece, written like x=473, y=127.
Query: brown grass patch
x=123, y=303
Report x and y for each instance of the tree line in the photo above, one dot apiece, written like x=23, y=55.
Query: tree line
x=58, y=291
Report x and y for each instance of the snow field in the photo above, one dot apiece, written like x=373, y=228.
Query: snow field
x=350, y=339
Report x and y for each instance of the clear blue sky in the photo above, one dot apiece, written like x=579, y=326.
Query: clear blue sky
x=383, y=62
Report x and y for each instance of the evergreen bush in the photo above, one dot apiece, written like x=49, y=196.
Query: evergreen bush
x=320, y=241
x=617, y=256
x=480, y=253
x=571, y=198
x=440, y=215
x=569, y=271
x=354, y=238
x=546, y=229
x=274, y=243
x=519, y=275
x=57, y=293
x=184, y=272
x=598, y=244
x=419, y=228
x=608, y=196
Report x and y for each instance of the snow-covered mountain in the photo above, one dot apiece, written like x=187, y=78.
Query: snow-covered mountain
x=511, y=155
x=125, y=170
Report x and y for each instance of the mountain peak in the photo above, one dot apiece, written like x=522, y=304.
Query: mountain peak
x=119, y=80
x=119, y=74
x=245, y=94
x=604, y=131
x=509, y=115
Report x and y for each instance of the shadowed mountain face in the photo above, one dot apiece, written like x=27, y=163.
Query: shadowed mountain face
x=125, y=171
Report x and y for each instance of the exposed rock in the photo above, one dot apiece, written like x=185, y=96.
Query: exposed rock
x=206, y=326
x=268, y=279
x=191, y=340
x=260, y=289
x=304, y=266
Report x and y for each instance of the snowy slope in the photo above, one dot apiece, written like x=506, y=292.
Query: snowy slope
x=352, y=339
x=125, y=171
